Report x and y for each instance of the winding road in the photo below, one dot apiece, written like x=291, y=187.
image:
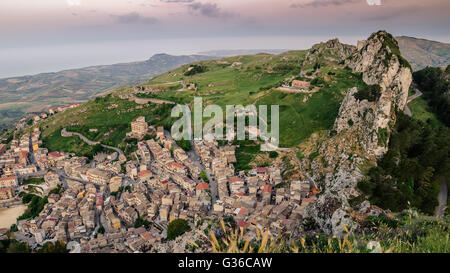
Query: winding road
x=411, y=98
x=65, y=133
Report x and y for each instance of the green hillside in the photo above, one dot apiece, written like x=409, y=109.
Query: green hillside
x=36, y=93
x=247, y=79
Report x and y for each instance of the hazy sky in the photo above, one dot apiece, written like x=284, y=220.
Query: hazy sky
x=46, y=35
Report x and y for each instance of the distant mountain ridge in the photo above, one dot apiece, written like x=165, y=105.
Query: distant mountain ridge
x=35, y=93
x=421, y=53
x=235, y=52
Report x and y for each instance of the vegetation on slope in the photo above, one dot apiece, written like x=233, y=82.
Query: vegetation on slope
x=35, y=205
x=370, y=93
x=110, y=116
x=176, y=228
x=390, y=42
x=411, y=171
x=407, y=232
x=434, y=83
x=254, y=81
x=40, y=92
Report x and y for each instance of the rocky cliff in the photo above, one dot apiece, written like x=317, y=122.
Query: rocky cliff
x=361, y=130
x=332, y=50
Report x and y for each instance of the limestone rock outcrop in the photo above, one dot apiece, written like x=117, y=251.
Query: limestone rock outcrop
x=361, y=130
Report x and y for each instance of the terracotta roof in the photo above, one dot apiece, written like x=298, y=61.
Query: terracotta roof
x=236, y=179
x=243, y=211
x=309, y=200
x=203, y=186
x=267, y=188
x=145, y=172
x=176, y=165
x=147, y=236
x=261, y=169
x=55, y=154
x=7, y=178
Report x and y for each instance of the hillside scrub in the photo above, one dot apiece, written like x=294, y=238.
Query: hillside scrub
x=371, y=93
x=410, y=172
x=195, y=69
x=35, y=205
x=176, y=228
x=434, y=84
x=403, y=233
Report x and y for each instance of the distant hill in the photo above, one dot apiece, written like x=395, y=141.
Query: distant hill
x=19, y=95
x=422, y=53
x=236, y=52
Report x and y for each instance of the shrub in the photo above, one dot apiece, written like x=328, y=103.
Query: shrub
x=383, y=136
x=273, y=154
x=185, y=145
x=101, y=230
x=141, y=222
x=195, y=70
x=370, y=93
x=58, y=247
x=377, y=221
x=176, y=228
x=204, y=177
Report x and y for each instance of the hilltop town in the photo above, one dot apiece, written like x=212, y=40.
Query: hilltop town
x=107, y=176
x=113, y=204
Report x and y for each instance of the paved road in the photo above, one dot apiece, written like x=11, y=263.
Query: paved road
x=32, y=159
x=416, y=95
x=90, y=142
x=442, y=197
x=214, y=191
x=64, y=176
x=407, y=110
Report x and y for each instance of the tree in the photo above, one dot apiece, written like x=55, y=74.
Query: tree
x=101, y=230
x=17, y=247
x=58, y=247
x=176, y=228
x=185, y=144
x=273, y=154
x=141, y=222
x=204, y=177
x=370, y=93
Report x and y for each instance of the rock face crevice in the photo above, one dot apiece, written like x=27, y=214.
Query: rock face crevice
x=361, y=130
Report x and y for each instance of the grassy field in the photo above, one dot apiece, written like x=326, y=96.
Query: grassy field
x=254, y=82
